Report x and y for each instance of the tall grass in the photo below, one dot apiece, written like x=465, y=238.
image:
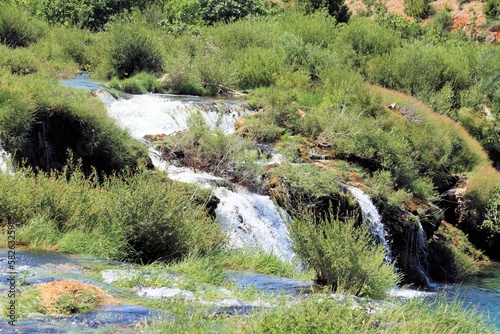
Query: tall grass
x=343, y=256
x=143, y=218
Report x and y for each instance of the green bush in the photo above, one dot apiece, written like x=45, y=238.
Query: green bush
x=335, y=8
x=132, y=48
x=492, y=7
x=81, y=13
x=229, y=10
x=367, y=39
x=20, y=61
x=452, y=255
x=343, y=256
x=17, y=27
x=402, y=26
x=420, y=9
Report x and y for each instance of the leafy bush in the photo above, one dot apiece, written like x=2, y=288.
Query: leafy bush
x=18, y=28
x=442, y=22
x=335, y=8
x=367, y=40
x=402, y=26
x=132, y=48
x=229, y=10
x=491, y=7
x=420, y=9
x=343, y=256
x=81, y=13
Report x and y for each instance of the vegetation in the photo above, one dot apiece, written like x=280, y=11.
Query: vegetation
x=402, y=108
x=343, y=256
x=108, y=218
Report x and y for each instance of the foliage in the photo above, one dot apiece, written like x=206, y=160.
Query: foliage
x=81, y=13
x=229, y=10
x=259, y=261
x=145, y=218
x=27, y=102
x=343, y=256
x=132, y=48
x=327, y=315
x=335, y=8
x=491, y=224
x=420, y=9
x=140, y=83
x=442, y=22
x=491, y=7
x=452, y=254
x=18, y=28
x=209, y=149
x=402, y=26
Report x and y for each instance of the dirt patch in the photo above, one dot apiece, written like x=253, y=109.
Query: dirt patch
x=51, y=293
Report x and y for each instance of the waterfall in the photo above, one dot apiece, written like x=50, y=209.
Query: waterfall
x=251, y=221
x=370, y=214
x=5, y=160
x=159, y=114
x=422, y=254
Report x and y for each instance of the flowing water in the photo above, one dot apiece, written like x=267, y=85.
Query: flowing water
x=252, y=220
x=370, y=213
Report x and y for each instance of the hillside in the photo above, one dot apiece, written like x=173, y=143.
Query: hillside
x=464, y=15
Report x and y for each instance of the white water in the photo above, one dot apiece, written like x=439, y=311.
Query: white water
x=156, y=114
x=5, y=160
x=422, y=254
x=251, y=221
x=370, y=214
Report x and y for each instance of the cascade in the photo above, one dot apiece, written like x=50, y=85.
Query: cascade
x=4, y=160
x=250, y=220
x=370, y=214
x=422, y=255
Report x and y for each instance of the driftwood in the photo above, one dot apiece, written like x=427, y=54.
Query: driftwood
x=224, y=90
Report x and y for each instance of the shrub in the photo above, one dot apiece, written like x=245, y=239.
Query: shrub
x=229, y=10
x=420, y=9
x=492, y=7
x=132, y=48
x=368, y=40
x=81, y=13
x=335, y=8
x=402, y=26
x=442, y=22
x=343, y=256
x=143, y=217
x=18, y=28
